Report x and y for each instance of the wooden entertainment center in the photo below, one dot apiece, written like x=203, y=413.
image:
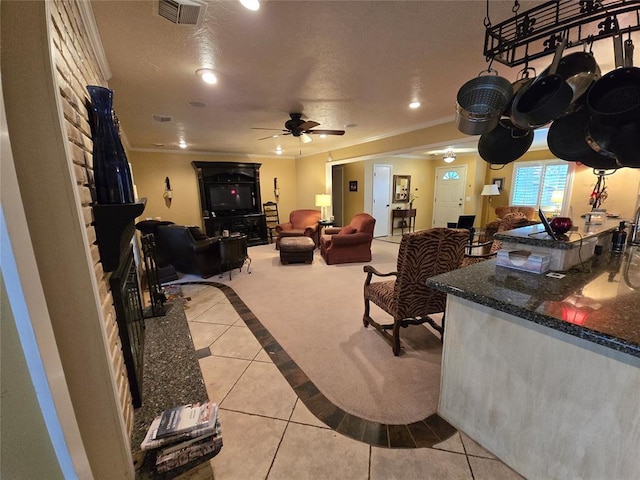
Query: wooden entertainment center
x=230, y=199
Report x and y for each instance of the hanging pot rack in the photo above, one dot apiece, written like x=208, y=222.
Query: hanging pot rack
x=536, y=32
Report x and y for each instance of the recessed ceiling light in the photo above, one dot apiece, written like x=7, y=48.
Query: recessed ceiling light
x=182, y=144
x=323, y=135
x=207, y=75
x=158, y=144
x=279, y=150
x=414, y=105
x=251, y=4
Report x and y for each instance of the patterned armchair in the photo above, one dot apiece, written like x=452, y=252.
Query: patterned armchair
x=509, y=222
x=348, y=244
x=527, y=215
x=301, y=223
x=406, y=298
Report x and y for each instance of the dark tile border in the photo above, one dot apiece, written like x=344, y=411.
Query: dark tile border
x=425, y=433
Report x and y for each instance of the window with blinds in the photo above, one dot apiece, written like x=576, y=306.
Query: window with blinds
x=534, y=183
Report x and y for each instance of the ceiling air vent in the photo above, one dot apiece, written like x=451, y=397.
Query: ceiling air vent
x=162, y=118
x=182, y=12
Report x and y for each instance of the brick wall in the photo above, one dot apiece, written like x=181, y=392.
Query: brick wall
x=76, y=67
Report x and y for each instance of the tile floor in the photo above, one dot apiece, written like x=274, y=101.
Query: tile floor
x=270, y=434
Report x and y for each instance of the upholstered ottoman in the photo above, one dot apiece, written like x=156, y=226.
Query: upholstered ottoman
x=296, y=249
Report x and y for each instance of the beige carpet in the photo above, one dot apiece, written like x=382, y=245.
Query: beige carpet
x=315, y=312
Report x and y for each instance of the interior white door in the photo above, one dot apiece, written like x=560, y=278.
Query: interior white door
x=449, y=194
x=381, y=199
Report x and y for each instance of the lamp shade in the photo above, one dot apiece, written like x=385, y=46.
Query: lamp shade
x=557, y=196
x=323, y=200
x=490, y=190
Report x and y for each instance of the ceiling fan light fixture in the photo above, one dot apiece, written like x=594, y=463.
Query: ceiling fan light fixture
x=449, y=156
x=207, y=75
x=253, y=5
x=305, y=138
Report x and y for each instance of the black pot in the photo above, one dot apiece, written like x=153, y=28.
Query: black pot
x=615, y=98
x=547, y=98
x=579, y=70
x=620, y=142
x=566, y=136
x=505, y=143
x=567, y=140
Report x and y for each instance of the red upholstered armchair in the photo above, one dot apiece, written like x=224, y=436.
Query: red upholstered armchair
x=349, y=244
x=301, y=223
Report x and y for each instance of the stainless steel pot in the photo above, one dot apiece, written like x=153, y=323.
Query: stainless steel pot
x=480, y=103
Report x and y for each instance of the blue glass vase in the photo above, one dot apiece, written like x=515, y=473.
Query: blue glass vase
x=112, y=175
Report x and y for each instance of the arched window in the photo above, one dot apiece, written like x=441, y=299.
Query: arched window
x=451, y=175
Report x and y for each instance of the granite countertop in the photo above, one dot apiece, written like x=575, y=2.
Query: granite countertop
x=171, y=377
x=536, y=235
x=598, y=302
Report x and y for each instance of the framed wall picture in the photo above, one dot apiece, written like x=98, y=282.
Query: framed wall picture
x=499, y=182
x=353, y=185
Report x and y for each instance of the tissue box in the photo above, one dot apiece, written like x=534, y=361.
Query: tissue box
x=524, y=260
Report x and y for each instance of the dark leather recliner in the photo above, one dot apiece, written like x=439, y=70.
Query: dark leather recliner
x=166, y=271
x=190, y=250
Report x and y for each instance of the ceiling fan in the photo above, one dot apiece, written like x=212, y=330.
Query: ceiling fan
x=300, y=128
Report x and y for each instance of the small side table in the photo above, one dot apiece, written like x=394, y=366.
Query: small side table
x=403, y=215
x=323, y=224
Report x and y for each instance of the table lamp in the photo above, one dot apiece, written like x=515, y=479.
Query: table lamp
x=556, y=198
x=489, y=191
x=323, y=200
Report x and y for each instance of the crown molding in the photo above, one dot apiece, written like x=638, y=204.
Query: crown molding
x=86, y=12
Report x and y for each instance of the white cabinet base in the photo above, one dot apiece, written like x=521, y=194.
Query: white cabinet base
x=549, y=405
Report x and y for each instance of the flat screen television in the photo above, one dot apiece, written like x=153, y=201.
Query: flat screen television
x=229, y=197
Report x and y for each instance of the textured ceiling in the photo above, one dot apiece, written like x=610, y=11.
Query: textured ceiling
x=352, y=65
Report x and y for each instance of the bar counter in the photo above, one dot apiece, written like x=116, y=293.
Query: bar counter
x=574, y=247
x=598, y=302
x=543, y=372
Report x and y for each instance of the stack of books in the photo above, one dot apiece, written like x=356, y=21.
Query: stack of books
x=183, y=434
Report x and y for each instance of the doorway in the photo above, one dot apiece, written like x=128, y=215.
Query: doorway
x=381, y=199
x=448, y=203
x=337, y=191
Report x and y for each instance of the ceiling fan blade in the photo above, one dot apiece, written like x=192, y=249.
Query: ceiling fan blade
x=305, y=138
x=326, y=132
x=307, y=125
x=270, y=136
x=274, y=129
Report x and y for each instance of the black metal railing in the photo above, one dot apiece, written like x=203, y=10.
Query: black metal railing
x=536, y=32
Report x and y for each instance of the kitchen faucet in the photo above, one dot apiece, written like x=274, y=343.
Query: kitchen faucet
x=634, y=238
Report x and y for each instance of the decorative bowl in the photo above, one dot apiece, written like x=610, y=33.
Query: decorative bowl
x=561, y=225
